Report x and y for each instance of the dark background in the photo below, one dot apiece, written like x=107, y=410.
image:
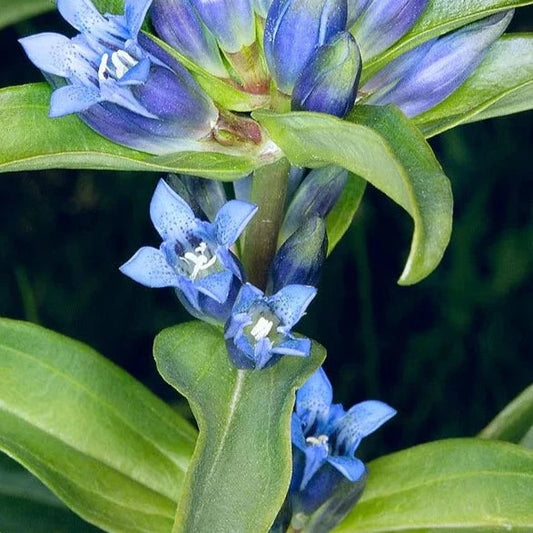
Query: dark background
x=448, y=353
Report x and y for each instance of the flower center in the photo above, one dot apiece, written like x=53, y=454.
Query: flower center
x=261, y=329
x=200, y=260
x=116, y=66
x=321, y=440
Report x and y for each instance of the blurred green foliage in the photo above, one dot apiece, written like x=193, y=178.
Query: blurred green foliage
x=448, y=353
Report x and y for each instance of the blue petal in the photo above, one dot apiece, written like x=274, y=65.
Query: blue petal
x=111, y=91
x=81, y=14
x=383, y=22
x=246, y=297
x=171, y=216
x=350, y=467
x=315, y=457
x=72, y=99
x=150, y=268
x=50, y=52
x=262, y=352
x=239, y=353
x=290, y=303
x=297, y=434
x=135, y=13
x=314, y=398
x=216, y=285
x=296, y=347
x=445, y=66
x=231, y=220
x=361, y=420
x=235, y=325
x=136, y=74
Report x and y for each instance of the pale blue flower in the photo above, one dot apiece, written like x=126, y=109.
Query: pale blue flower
x=325, y=438
x=258, y=331
x=119, y=82
x=195, y=255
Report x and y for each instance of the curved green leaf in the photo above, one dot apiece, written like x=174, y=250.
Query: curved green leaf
x=34, y=141
x=382, y=146
x=16, y=10
x=90, y=432
x=439, y=17
x=241, y=467
x=515, y=422
x=501, y=85
x=341, y=216
x=452, y=486
x=27, y=505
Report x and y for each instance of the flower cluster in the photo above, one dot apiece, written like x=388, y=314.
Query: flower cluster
x=288, y=54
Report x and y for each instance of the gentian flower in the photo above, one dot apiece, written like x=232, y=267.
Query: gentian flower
x=328, y=82
x=195, y=255
x=119, y=82
x=325, y=438
x=258, y=331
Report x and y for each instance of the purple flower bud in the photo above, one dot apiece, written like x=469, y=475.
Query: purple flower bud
x=429, y=73
x=293, y=30
x=121, y=84
x=328, y=82
x=316, y=196
x=299, y=259
x=178, y=23
x=232, y=22
x=381, y=23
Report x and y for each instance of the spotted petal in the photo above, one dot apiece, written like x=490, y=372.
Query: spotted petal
x=171, y=216
x=50, y=52
x=81, y=14
x=246, y=297
x=231, y=220
x=72, y=99
x=362, y=420
x=290, y=303
x=135, y=13
x=314, y=398
x=150, y=268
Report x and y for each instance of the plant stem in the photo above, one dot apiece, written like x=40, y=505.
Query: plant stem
x=269, y=188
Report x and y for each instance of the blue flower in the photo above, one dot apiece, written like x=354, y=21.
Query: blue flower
x=325, y=438
x=258, y=331
x=121, y=83
x=195, y=255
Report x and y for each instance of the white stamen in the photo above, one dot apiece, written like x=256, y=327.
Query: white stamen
x=121, y=62
x=200, y=262
x=321, y=440
x=102, y=69
x=261, y=329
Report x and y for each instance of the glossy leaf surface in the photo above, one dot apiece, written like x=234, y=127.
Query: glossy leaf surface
x=383, y=147
x=91, y=433
x=515, y=422
x=501, y=85
x=440, y=17
x=241, y=467
x=452, y=486
x=35, y=141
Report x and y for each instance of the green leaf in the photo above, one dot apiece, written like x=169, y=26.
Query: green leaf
x=27, y=505
x=450, y=486
x=14, y=11
x=439, y=17
x=241, y=467
x=106, y=446
x=341, y=216
x=382, y=146
x=36, y=141
x=501, y=85
x=515, y=422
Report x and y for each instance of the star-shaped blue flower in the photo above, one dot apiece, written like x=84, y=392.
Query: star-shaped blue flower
x=325, y=438
x=258, y=332
x=195, y=255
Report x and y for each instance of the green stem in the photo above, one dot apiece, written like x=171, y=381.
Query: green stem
x=269, y=188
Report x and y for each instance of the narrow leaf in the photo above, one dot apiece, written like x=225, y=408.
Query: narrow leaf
x=34, y=141
x=515, y=421
x=91, y=433
x=440, y=17
x=14, y=11
x=27, y=505
x=382, y=146
x=452, y=486
x=501, y=85
x=241, y=466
